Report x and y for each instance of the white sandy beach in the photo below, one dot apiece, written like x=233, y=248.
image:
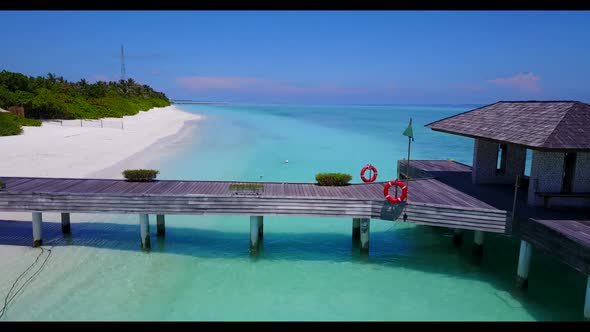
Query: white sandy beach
x=71, y=151
x=53, y=150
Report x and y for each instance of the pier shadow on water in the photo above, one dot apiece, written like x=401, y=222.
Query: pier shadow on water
x=555, y=290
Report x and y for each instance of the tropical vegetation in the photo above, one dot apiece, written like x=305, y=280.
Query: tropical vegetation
x=10, y=124
x=53, y=97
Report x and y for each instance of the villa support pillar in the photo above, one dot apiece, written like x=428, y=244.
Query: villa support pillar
x=478, y=243
x=65, y=223
x=587, y=301
x=255, y=230
x=144, y=229
x=524, y=264
x=37, y=229
x=356, y=228
x=160, y=224
x=457, y=237
x=365, y=224
x=261, y=228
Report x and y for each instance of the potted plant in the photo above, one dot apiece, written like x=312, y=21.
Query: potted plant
x=140, y=175
x=333, y=179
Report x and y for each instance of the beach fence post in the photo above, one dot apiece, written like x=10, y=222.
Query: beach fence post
x=356, y=228
x=80, y=122
x=365, y=224
x=144, y=229
x=65, y=223
x=37, y=229
x=524, y=264
x=160, y=225
x=255, y=222
x=457, y=237
x=101, y=123
x=478, y=243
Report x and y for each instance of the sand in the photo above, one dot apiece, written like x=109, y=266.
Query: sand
x=68, y=150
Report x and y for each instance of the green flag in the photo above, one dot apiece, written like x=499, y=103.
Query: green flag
x=409, y=132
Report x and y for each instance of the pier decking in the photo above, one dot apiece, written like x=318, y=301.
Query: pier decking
x=568, y=240
x=430, y=201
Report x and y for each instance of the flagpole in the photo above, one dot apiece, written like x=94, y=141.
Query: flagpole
x=408, y=164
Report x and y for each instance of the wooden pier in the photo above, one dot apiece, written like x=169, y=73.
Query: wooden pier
x=431, y=202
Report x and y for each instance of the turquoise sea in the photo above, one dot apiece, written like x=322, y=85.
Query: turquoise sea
x=307, y=269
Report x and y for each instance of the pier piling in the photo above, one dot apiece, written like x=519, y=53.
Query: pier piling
x=365, y=224
x=587, y=301
x=356, y=228
x=255, y=225
x=65, y=223
x=478, y=243
x=457, y=237
x=524, y=264
x=160, y=225
x=144, y=229
x=261, y=228
x=37, y=229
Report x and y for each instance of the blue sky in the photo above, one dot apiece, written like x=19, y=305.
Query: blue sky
x=309, y=57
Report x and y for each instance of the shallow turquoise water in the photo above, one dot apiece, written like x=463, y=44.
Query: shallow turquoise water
x=308, y=269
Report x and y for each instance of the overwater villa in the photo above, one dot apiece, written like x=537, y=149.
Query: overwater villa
x=550, y=209
x=546, y=210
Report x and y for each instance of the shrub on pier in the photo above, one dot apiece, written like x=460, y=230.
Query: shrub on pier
x=140, y=175
x=246, y=186
x=2, y=185
x=333, y=179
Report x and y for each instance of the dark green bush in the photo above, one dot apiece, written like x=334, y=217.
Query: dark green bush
x=53, y=97
x=140, y=175
x=2, y=184
x=333, y=179
x=246, y=186
x=10, y=124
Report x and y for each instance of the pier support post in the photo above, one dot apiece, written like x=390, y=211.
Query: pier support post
x=255, y=223
x=65, y=223
x=160, y=225
x=524, y=264
x=478, y=243
x=37, y=229
x=261, y=228
x=356, y=228
x=365, y=224
x=144, y=229
x=457, y=237
x=587, y=301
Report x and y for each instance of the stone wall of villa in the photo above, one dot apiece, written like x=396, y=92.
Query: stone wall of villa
x=485, y=155
x=582, y=174
x=547, y=176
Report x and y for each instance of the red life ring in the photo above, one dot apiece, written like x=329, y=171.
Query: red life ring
x=372, y=168
x=395, y=200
